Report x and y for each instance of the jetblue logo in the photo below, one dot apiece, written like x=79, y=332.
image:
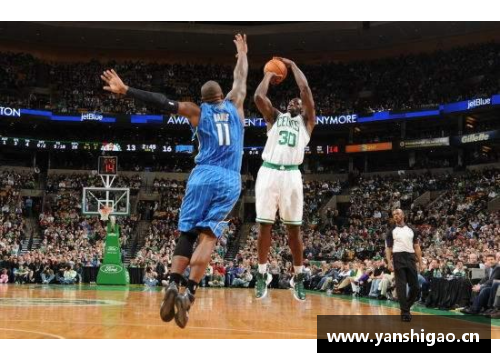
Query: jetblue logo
x=478, y=103
x=10, y=112
x=92, y=117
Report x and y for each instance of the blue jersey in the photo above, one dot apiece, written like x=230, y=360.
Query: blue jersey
x=220, y=136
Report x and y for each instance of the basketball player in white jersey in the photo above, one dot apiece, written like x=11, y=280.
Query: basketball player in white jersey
x=279, y=181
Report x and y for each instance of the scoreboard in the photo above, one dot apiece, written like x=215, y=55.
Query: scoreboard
x=27, y=143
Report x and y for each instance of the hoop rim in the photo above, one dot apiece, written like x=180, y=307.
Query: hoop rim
x=105, y=212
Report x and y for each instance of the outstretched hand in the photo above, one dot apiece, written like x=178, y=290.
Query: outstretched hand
x=114, y=82
x=286, y=61
x=241, y=43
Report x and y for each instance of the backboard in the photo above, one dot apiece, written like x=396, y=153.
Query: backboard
x=95, y=198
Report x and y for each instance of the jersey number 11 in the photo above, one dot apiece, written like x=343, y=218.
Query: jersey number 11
x=223, y=134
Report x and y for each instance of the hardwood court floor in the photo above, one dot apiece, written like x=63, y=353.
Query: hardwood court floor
x=35, y=311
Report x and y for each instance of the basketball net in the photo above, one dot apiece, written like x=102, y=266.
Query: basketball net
x=104, y=212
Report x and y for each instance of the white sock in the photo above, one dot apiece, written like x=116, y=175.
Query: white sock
x=298, y=269
x=263, y=268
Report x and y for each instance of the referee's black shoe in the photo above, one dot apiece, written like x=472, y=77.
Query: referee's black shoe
x=167, y=309
x=183, y=303
x=406, y=317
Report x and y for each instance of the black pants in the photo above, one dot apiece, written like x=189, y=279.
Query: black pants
x=405, y=270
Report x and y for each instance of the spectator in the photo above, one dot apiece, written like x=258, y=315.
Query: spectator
x=242, y=280
x=217, y=279
x=47, y=275
x=4, y=276
x=379, y=274
x=69, y=276
x=150, y=278
x=484, y=288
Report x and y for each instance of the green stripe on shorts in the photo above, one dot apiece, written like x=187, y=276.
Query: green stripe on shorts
x=265, y=221
x=292, y=222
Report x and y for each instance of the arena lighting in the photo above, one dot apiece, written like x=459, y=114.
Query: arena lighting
x=470, y=122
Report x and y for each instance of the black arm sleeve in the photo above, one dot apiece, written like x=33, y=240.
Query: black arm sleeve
x=389, y=240
x=416, y=236
x=156, y=99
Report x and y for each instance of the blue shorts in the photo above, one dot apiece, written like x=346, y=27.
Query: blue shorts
x=211, y=194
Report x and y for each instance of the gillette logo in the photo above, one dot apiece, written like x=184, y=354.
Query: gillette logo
x=92, y=117
x=477, y=137
x=478, y=102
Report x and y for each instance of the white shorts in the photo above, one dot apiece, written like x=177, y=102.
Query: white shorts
x=279, y=190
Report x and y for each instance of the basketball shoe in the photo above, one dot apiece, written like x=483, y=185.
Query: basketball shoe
x=183, y=304
x=297, y=284
x=167, y=310
x=263, y=280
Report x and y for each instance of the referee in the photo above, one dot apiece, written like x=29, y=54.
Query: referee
x=402, y=246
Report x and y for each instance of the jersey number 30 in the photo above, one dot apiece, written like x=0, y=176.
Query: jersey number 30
x=287, y=138
x=223, y=134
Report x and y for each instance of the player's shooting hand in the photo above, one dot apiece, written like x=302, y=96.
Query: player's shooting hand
x=241, y=43
x=114, y=82
x=286, y=61
x=272, y=77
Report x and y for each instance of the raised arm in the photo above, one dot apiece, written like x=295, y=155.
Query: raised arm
x=263, y=103
x=309, y=113
x=239, y=92
x=187, y=109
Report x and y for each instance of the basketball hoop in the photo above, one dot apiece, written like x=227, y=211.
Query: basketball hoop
x=104, y=212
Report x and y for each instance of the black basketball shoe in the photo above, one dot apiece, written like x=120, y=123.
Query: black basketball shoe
x=167, y=309
x=183, y=303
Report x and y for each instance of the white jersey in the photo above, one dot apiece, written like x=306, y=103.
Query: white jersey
x=286, y=141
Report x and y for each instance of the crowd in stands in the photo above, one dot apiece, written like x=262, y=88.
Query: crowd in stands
x=68, y=182
x=13, y=209
x=343, y=252
x=404, y=82
x=17, y=179
x=156, y=254
x=68, y=242
x=316, y=193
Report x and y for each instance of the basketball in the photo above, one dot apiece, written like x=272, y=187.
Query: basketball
x=278, y=67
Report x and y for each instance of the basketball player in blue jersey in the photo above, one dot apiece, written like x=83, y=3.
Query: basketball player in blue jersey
x=214, y=184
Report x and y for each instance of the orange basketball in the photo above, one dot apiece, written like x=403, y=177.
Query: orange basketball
x=278, y=67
